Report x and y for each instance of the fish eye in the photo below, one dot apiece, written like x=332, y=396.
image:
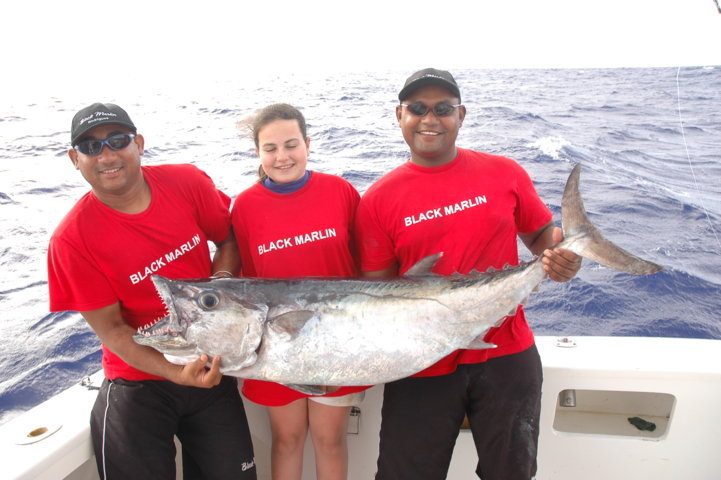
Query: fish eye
x=208, y=300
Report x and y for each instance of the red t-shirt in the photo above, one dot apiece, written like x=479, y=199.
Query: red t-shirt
x=471, y=210
x=307, y=233
x=99, y=256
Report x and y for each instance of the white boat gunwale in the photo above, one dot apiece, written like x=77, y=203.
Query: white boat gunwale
x=674, y=383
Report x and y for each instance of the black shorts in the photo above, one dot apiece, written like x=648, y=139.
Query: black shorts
x=421, y=419
x=133, y=424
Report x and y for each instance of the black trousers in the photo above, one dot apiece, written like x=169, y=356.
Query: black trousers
x=421, y=419
x=133, y=424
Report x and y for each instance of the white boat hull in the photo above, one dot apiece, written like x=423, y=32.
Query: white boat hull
x=673, y=383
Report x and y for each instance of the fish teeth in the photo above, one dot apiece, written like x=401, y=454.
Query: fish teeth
x=167, y=311
x=144, y=329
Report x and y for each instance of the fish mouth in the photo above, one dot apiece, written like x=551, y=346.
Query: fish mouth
x=167, y=331
x=162, y=334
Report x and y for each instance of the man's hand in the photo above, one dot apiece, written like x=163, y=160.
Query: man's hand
x=196, y=374
x=560, y=264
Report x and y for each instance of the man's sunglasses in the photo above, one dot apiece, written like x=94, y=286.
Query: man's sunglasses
x=114, y=142
x=420, y=109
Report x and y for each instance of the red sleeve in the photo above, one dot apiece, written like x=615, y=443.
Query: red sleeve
x=74, y=282
x=212, y=206
x=352, y=211
x=531, y=213
x=375, y=247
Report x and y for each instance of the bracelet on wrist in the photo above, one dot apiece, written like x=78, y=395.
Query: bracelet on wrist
x=221, y=274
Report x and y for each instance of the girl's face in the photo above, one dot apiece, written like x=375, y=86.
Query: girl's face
x=283, y=151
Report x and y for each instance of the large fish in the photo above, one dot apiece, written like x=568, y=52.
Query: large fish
x=332, y=332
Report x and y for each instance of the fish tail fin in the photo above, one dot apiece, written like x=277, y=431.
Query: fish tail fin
x=583, y=238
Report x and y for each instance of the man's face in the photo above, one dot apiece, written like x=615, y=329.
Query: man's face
x=431, y=138
x=111, y=173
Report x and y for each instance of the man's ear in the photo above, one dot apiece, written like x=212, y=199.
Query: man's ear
x=73, y=154
x=140, y=142
x=399, y=112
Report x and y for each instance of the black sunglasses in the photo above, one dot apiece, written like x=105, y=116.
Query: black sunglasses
x=114, y=142
x=420, y=109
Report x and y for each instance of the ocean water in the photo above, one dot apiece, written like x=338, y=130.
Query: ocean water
x=649, y=141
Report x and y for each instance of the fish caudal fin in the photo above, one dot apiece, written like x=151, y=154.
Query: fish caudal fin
x=583, y=238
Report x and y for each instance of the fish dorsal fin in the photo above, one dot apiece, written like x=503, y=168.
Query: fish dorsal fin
x=424, y=266
x=291, y=322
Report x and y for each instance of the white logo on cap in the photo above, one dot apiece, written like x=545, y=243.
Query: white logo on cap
x=97, y=117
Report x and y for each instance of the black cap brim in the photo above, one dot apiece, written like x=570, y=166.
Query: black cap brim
x=86, y=128
x=426, y=77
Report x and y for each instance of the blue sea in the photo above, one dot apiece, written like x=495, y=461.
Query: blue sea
x=649, y=141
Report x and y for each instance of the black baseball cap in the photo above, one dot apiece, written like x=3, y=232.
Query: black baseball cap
x=429, y=76
x=98, y=114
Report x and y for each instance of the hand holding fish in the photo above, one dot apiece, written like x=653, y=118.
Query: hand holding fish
x=560, y=264
x=195, y=373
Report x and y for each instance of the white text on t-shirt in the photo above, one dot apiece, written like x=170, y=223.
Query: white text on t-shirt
x=171, y=256
x=296, y=240
x=445, y=211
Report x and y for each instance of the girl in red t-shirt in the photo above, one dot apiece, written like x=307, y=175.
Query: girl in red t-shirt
x=297, y=223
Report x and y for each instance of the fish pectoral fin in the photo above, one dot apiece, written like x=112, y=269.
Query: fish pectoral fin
x=291, y=322
x=312, y=389
x=479, y=344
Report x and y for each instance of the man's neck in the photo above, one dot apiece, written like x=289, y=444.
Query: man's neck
x=434, y=161
x=133, y=201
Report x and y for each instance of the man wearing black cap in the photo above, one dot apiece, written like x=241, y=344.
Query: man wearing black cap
x=471, y=207
x=137, y=221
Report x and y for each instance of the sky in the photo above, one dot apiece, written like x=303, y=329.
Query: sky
x=78, y=43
